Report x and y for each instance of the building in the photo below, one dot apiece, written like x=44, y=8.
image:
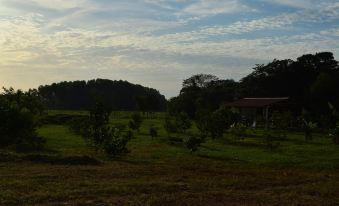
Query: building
x=250, y=109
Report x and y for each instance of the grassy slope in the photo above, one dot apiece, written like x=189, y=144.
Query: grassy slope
x=157, y=172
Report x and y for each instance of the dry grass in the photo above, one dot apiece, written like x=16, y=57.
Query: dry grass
x=194, y=181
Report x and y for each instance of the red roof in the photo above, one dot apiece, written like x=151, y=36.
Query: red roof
x=257, y=102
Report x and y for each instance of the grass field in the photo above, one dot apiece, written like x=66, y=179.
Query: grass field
x=164, y=172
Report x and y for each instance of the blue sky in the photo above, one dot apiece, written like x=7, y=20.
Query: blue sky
x=156, y=43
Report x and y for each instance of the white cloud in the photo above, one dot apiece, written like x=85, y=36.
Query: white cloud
x=61, y=4
x=294, y=3
x=147, y=47
x=214, y=7
x=85, y=48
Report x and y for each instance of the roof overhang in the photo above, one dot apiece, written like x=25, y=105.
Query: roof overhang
x=257, y=102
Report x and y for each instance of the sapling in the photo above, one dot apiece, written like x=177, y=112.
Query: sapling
x=153, y=131
x=309, y=127
x=335, y=134
x=192, y=143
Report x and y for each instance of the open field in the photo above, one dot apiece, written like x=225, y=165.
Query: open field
x=164, y=172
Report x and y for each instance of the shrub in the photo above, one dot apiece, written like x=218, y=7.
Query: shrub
x=111, y=140
x=238, y=131
x=202, y=124
x=216, y=123
x=270, y=141
x=136, y=121
x=153, y=132
x=170, y=125
x=308, y=127
x=178, y=123
x=117, y=143
x=335, y=134
x=192, y=143
x=281, y=122
x=79, y=125
x=18, y=119
x=182, y=122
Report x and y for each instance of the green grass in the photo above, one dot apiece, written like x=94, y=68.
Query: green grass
x=161, y=172
x=60, y=139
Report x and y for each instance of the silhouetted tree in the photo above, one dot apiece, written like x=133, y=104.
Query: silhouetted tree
x=193, y=143
x=310, y=82
x=103, y=137
x=118, y=95
x=19, y=112
x=153, y=131
x=136, y=121
x=202, y=93
x=216, y=123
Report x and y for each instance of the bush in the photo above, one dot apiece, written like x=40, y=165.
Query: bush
x=170, y=125
x=216, y=123
x=136, y=121
x=281, y=122
x=111, y=140
x=153, y=132
x=192, y=143
x=19, y=121
x=238, y=131
x=270, y=141
x=179, y=123
x=308, y=128
x=183, y=122
x=335, y=134
x=79, y=125
x=117, y=143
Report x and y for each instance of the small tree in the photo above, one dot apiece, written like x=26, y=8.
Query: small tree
x=216, y=123
x=309, y=127
x=202, y=124
x=192, y=143
x=270, y=140
x=19, y=112
x=136, y=121
x=183, y=122
x=178, y=123
x=238, y=131
x=335, y=134
x=153, y=131
x=170, y=125
x=281, y=121
x=117, y=143
x=111, y=140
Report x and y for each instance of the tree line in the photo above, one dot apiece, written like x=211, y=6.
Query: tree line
x=311, y=82
x=117, y=95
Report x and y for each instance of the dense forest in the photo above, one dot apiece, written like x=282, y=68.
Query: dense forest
x=311, y=82
x=118, y=95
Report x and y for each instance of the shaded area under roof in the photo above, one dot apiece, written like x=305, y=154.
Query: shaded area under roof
x=257, y=102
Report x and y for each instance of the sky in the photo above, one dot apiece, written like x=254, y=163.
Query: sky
x=156, y=43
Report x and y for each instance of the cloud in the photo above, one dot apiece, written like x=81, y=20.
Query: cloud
x=294, y=3
x=97, y=49
x=61, y=4
x=327, y=14
x=152, y=42
x=214, y=7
